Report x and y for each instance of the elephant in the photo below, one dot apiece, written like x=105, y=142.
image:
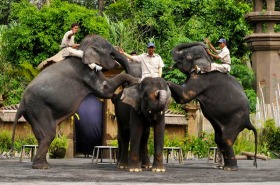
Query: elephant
x=221, y=97
x=57, y=91
x=137, y=108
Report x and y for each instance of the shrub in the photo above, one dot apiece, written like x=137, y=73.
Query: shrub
x=57, y=144
x=5, y=141
x=269, y=138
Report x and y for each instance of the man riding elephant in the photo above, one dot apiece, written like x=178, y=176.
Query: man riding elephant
x=223, y=54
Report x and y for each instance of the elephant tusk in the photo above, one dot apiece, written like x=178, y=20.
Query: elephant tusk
x=161, y=112
x=150, y=112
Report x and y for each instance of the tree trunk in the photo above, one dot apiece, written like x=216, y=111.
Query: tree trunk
x=100, y=6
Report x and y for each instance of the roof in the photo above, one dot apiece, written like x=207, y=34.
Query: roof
x=174, y=118
x=8, y=113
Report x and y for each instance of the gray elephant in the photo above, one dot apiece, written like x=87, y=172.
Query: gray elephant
x=138, y=108
x=221, y=97
x=56, y=93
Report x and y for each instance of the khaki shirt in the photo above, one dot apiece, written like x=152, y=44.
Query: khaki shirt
x=225, y=55
x=67, y=42
x=150, y=65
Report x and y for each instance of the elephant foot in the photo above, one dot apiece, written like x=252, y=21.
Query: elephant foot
x=135, y=170
x=122, y=166
x=146, y=166
x=227, y=168
x=230, y=165
x=157, y=169
x=40, y=165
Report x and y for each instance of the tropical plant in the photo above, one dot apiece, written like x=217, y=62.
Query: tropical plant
x=60, y=143
x=38, y=35
x=269, y=138
x=5, y=141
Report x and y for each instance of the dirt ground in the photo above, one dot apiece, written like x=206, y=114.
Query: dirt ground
x=192, y=171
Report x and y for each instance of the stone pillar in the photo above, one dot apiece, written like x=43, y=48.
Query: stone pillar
x=1, y=100
x=265, y=46
x=194, y=128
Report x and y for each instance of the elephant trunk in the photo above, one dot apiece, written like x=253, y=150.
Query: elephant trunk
x=162, y=98
x=113, y=83
x=176, y=52
x=122, y=60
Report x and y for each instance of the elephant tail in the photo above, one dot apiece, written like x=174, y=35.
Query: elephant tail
x=19, y=113
x=249, y=126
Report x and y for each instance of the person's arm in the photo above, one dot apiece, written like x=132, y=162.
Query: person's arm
x=70, y=35
x=159, y=71
x=207, y=41
x=126, y=55
x=211, y=54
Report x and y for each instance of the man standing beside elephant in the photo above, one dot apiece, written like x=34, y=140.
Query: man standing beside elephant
x=151, y=63
x=69, y=47
x=223, y=55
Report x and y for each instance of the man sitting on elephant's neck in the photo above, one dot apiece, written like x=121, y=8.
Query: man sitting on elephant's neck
x=223, y=55
x=69, y=47
x=151, y=63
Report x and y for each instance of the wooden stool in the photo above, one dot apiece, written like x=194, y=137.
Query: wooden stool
x=172, y=151
x=215, y=150
x=33, y=151
x=99, y=151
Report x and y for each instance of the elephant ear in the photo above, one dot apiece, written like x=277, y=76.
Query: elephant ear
x=131, y=96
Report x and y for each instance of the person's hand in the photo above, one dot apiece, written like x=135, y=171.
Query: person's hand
x=208, y=51
x=121, y=50
x=75, y=46
x=206, y=40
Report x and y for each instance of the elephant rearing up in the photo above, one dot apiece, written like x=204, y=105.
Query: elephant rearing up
x=221, y=97
x=56, y=93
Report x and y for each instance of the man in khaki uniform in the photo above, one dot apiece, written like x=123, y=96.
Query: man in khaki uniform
x=69, y=47
x=151, y=63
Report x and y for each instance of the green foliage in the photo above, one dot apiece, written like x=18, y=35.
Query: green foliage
x=28, y=139
x=123, y=35
x=252, y=96
x=269, y=137
x=120, y=10
x=5, y=141
x=38, y=34
x=14, y=80
x=198, y=146
x=33, y=35
x=58, y=142
x=245, y=142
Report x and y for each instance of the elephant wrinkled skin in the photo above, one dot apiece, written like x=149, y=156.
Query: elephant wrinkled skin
x=137, y=108
x=221, y=97
x=56, y=93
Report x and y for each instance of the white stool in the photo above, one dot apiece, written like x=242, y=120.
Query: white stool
x=215, y=151
x=99, y=152
x=33, y=151
x=172, y=151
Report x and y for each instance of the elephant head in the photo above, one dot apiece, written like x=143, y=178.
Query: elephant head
x=151, y=97
x=98, y=50
x=189, y=54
